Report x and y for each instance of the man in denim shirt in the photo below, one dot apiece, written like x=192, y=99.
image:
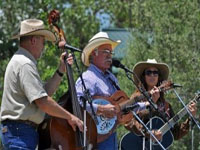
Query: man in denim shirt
x=97, y=55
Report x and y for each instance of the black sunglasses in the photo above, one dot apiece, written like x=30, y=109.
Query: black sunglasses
x=149, y=72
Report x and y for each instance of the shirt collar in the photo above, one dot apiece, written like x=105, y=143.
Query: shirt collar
x=96, y=69
x=27, y=54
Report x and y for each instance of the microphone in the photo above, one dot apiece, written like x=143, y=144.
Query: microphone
x=130, y=107
x=72, y=48
x=176, y=85
x=118, y=64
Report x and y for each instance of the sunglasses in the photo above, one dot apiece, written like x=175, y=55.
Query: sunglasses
x=149, y=72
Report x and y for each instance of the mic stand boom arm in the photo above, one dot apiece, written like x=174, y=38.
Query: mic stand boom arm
x=142, y=90
x=191, y=116
x=117, y=64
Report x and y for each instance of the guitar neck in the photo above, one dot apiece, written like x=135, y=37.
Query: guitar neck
x=170, y=124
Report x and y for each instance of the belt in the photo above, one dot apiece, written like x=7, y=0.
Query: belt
x=34, y=125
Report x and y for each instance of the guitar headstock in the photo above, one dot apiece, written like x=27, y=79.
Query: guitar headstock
x=197, y=96
x=166, y=85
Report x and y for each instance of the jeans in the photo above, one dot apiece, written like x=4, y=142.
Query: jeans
x=18, y=136
x=109, y=144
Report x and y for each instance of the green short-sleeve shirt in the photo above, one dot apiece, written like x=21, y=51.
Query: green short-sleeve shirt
x=22, y=85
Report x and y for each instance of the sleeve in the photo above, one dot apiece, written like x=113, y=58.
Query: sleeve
x=80, y=94
x=31, y=83
x=141, y=106
x=181, y=129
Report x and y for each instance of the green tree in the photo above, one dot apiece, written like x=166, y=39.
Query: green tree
x=169, y=32
x=165, y=30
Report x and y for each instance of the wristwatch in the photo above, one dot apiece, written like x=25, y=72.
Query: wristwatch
x=59, y=73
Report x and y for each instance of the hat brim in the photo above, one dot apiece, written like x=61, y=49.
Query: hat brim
x=139, y=68
x=49, y=36
x=94, y=44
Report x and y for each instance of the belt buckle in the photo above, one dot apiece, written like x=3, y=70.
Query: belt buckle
x=4, y=129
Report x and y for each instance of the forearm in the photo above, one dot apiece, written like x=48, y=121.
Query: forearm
x=52, y=84
x=49, y=106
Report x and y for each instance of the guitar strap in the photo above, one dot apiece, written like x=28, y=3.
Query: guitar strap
x=113, y=83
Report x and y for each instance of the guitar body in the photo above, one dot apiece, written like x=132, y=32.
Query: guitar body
x=105, y=126
x=132, y=141
x=167, y=138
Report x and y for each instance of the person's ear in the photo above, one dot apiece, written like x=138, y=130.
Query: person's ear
x=95, y=52
x=33, y=40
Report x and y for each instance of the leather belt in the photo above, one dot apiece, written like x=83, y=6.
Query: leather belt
x=34, y=125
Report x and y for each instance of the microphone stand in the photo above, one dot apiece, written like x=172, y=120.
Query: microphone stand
x=192, y=134
x=191, y=116
x=146, y=128
x=152, y=105
x=141, y=89
x=85, y=98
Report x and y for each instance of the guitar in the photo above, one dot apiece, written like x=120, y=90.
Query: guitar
x=131, y=140
x=105, y=126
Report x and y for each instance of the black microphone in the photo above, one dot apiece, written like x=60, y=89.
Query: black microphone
x=118, y=64
x=130, y=107
x=72, y=48
x=176, y=85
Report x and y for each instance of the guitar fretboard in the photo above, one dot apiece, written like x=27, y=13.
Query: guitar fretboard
x=170, y=124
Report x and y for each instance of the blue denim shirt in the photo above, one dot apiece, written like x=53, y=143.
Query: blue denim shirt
x=98, y=84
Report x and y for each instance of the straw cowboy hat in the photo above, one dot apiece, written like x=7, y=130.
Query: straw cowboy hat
x=97, y=40
x=140, y=67
x=34, y=27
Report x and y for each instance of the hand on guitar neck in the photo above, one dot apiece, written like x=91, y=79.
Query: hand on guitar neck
x=193, y=108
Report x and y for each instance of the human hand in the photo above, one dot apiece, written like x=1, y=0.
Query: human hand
x=193, y=108
x=75, y=122
x=69, y=59
x=108, y=111
x=155, y=94
x=61, y=44
x=157, y=134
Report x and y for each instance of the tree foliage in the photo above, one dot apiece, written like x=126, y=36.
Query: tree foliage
x=165, y=30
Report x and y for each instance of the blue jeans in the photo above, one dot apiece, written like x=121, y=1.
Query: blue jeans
x=18, y=136
x=109, y=144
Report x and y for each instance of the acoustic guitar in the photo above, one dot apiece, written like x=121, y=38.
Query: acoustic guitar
x=106, y=126
x=132, y=141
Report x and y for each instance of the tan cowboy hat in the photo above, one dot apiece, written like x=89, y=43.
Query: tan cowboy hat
x=141, y=66
x=35, y=27
x=97, y=40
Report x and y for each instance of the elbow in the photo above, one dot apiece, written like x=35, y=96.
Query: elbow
x=42, y=103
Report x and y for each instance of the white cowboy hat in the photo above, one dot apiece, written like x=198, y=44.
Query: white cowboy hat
x=97, y=40
x=35, y=27
x=140, y=67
